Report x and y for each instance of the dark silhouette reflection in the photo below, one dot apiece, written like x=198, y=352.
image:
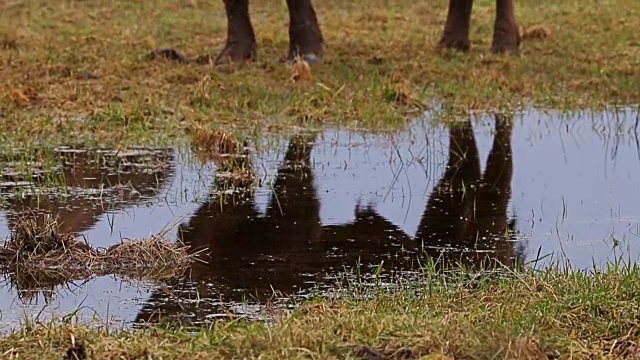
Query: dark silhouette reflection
x=288, y=249
x=246, y=248
x=465, y=220
x=466, y=215
x=95, y=182
x=92, y=183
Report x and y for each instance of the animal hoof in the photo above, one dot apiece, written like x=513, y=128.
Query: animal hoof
x=312, y=58
x=506, y=39
x=237, y=53
x=454, y=43
x=505, y=47
x=309, y=58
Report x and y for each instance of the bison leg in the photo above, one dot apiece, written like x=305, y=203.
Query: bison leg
x=506, y=36
x=241, y=39
x=305, y=36
x=456, y=29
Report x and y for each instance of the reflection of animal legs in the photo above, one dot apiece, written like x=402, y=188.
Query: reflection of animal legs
x=465, y=210
x=448, y=209
x=490, y=223
x=496, y=179
x=230, y=224
x=294, y=209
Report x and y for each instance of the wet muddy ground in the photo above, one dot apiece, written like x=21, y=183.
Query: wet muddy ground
x=546, y=188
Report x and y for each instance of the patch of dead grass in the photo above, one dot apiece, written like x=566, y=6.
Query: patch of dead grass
x=39, y=243
x=230, y=155
x=301, y=70
x=440, y=349
x=39, y=257
x=536, y=32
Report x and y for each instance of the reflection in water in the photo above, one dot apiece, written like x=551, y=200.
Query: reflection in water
x=427, y=193
x=289, y=249
x=93, y=183
x=466, y=214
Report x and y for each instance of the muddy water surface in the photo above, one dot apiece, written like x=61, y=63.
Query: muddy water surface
x=539, y=189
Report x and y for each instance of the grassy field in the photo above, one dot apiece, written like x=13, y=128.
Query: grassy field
x=80, y=71
x=554, y=314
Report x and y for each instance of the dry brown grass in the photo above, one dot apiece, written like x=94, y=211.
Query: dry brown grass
x=231, y=156
x=39, y=257
x=536, y=32
x=301, y=70
x=39, y=243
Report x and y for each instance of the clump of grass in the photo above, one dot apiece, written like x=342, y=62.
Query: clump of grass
x=403, y=94
x=38, y=242
x=300, y=70
x=536, y=32
x=39, y=257
x=136, y=255
x=230, y=155
x=213, y=144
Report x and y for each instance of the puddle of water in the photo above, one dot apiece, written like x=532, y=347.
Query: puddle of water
x=546, y=185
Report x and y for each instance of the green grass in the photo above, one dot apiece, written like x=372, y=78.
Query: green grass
x=526, y=315
x=591, y=60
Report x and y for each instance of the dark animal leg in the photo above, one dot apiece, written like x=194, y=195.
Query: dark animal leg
x=305, y=36
x=456, y=29
x=506, y=36
x=241, y=39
